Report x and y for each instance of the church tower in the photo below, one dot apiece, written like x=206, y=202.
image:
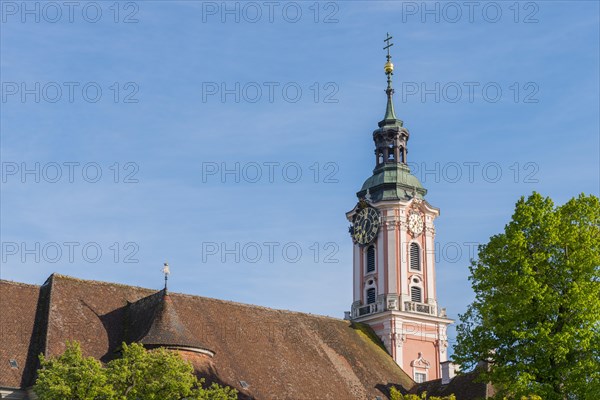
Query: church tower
x=392, y=228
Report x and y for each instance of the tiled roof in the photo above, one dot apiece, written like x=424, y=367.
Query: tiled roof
x=22, y=320
x=464, y=387
x=153, y=321
x=279, y=354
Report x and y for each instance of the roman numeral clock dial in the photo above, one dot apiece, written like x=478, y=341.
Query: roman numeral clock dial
x=415, y=223
x=365, y=225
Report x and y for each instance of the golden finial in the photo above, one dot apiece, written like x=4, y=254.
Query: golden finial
x=388, y=68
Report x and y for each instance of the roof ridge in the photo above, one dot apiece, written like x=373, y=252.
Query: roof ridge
x=171, y=293
x=255, y=306
x=50, y=284
x=16, y=283
x=72, y=278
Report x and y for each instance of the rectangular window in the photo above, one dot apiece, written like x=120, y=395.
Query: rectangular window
x=420, y=377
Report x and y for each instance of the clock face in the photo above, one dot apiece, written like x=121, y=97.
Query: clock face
x=365, y=225
x=415, y=223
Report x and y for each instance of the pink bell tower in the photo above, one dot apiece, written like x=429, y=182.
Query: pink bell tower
x=392, y=228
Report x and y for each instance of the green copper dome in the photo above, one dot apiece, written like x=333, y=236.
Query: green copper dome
x=392, y=182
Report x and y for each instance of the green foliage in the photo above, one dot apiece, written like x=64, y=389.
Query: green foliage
x=216, y=392
x=396, y=395
x=71, y=376
x=532, y=397
x=138, y=375
x=536, y=314
x=151, y=375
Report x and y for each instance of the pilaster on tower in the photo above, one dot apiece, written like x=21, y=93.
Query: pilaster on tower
x=392, y=227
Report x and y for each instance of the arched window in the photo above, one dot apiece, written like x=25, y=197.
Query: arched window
x=415, y=257
x=370, y=295
x=370, y=259
x=415, y=294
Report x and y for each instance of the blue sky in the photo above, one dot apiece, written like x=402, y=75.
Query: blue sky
x=172, y=130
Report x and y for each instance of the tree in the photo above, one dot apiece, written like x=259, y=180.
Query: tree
x=536, y=313
x=139, y=374
x=71, y=376
x=157, y=374
x=396, y=395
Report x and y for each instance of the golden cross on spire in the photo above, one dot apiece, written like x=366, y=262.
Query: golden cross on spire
x=389, y=67
x=388, y=45
x=389, y=71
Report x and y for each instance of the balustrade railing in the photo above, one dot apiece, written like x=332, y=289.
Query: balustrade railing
x=409, y=306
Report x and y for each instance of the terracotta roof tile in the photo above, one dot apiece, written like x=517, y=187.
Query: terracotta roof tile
x=153, y=321
x=280, y=354
x=463, y=386
x=18, y=308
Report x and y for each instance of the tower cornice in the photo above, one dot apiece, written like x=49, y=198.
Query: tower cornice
x=413, y=317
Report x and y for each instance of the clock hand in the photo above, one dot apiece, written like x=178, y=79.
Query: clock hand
x=359, y=225
x=364, y=226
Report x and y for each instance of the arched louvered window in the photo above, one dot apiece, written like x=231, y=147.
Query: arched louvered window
x=370, y=259
x=415, y=294
x=370, y=295
x=415, y=257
